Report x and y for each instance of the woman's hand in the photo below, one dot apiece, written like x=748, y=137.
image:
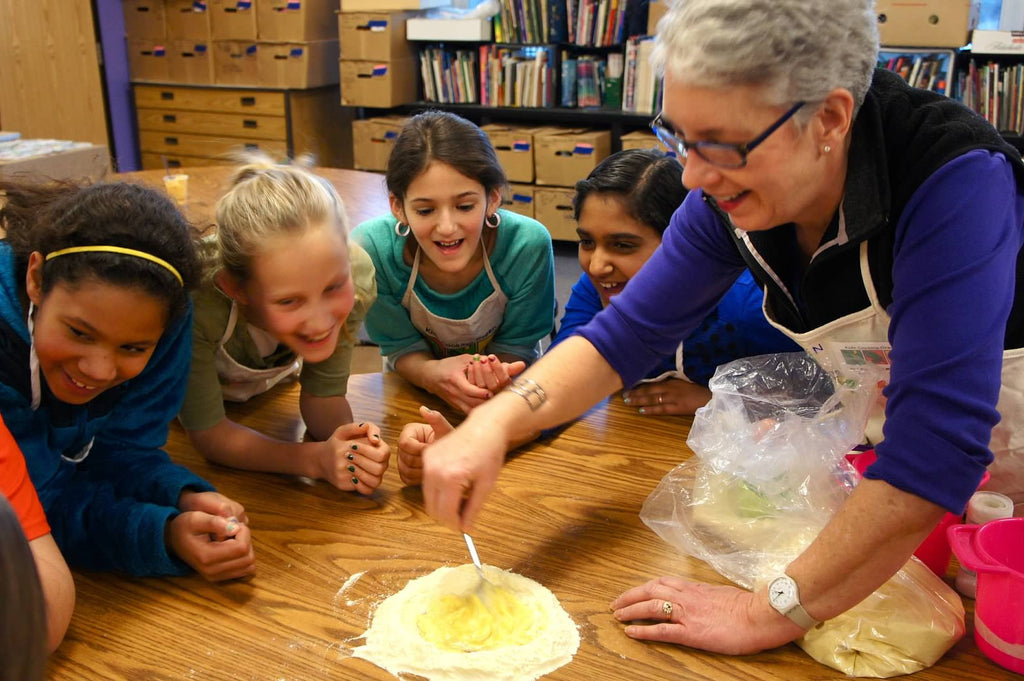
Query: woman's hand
x=217, y=548
x=460, y=469
x=488, y=371
x=354, y=458
x=671, y=396
x=447, y=378
x=414, y=438
x=720, y=619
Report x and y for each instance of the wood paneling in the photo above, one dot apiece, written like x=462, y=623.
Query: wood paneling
x=49, y=71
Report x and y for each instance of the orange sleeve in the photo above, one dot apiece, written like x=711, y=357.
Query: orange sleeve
x=16, y=486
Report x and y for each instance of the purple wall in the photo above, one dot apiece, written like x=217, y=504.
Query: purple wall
x=120, y=112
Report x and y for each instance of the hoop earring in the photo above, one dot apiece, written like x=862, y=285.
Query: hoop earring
x=402, y=229
x=493, y=220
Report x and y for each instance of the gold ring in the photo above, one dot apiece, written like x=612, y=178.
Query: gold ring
x=666, y=608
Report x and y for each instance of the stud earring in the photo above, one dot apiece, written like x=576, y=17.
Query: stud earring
x=402, y=229
x=826, y=148
x=493, y=220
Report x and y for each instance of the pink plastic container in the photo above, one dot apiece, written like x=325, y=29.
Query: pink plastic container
x=995, y=551
x=934, y=551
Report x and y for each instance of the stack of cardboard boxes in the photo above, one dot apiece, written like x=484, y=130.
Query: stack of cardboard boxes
x=266, y=43
x=378, y=66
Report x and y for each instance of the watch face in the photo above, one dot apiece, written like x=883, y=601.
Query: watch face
x=782, y=593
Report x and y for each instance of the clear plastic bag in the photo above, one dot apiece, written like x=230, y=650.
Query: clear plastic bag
x=768, y=474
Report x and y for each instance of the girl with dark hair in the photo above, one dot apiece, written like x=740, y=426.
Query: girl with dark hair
x=22, y=609
x=465, y=291
x=622, y=208
x=53, y=574
x=95, y=322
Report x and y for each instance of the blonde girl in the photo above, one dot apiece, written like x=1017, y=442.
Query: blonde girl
x=284, y=297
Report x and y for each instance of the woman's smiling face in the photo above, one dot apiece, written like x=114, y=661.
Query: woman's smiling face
x=613, y=245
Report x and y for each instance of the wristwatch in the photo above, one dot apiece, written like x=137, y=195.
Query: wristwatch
x=784, y=596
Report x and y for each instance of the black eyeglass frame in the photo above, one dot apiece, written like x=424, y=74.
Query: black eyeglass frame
x=671, y=139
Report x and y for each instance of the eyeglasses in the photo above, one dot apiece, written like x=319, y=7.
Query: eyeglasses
x=716, y=153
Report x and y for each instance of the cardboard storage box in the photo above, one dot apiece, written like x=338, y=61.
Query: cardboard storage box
x=372, y=141
x=927, y=23
x=144, y=19
x=553, y=209
x=655, y=11
x=296, y=21
x=374, y=36
x=514, y=147
x=190, y=62
x=390, y=5
x=640, y=139
x=563, y=156
x=378, y=84
x=147, y=60
x=236, y=62
x=233, y=19
x=519, y=199
x=298, y=65
x=57, y=160
x=188, y=20
x=472, y=30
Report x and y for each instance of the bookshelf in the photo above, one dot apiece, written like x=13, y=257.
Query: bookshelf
x=926, y=68
x=992, y=80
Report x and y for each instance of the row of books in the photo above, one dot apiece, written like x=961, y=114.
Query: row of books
x=590, y=23
x=520, y=77
x=928, y=71
x=449, y=76
x=641, y=87
x=996, y=91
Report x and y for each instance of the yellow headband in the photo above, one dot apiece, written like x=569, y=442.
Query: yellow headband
x=117, y=249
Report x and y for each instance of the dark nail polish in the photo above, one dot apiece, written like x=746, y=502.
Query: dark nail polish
x=351, y=469
x=354, y=447
x=355, y=481
x=351, y=457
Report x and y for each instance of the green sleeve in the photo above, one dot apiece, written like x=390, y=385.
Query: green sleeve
x=204, y=404
x=330, y=377
x=387, y=321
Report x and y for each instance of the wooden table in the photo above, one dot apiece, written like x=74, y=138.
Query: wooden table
x=364, y=194
x=565, y=513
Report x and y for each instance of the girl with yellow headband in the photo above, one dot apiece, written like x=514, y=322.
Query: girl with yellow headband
x=95, y=325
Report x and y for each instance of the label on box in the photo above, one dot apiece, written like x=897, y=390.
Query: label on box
x=380, y=70
x=582, y=149
x=522, y=198
x=251, y=49
x=158, y=50
x=294, y=4
x=198, y=5
x=200, y=48
x=520, y=145
x=390, y=134
x=243, y=4
x=376, y=25
x=295, y=52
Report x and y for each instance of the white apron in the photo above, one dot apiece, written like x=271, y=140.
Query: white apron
x=862, y=338
x=450, y=337
x=238, y=383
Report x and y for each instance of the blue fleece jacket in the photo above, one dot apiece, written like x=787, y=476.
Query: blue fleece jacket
x=109, y=511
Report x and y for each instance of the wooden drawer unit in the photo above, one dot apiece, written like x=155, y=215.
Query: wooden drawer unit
x=202, y=125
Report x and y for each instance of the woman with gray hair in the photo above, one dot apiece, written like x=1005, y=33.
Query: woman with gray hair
x=843, y=190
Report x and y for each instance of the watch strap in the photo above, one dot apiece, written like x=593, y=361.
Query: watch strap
x=800, y=617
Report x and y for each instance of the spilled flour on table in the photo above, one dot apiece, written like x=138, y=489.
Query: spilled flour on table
x=446, y=627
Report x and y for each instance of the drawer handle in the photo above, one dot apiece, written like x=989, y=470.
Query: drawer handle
x=280, y=56
x=166, y=95
x=173, y=163
x=173, y=141
x=248, y=101
x=249, y=123
x=250, y=146
x=170, y=118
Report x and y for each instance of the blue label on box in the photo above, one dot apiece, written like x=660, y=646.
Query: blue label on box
x=583, y=149
x=251, y=49
x=377, y=24
x=200, y=48
x=390, y=134
x=520, y=145
x=380, y=70
x=294, y=4
x=244, y=4
x=296, y=52
x=522, y=198
x=198, y=5
x=158, y=50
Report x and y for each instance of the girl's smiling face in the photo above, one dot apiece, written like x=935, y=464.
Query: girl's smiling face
x=445, y=211
x=91, y=336
x=613, y=245
x=299, y=289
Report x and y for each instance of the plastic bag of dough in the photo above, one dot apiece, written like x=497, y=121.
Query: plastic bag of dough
x=903, y=627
